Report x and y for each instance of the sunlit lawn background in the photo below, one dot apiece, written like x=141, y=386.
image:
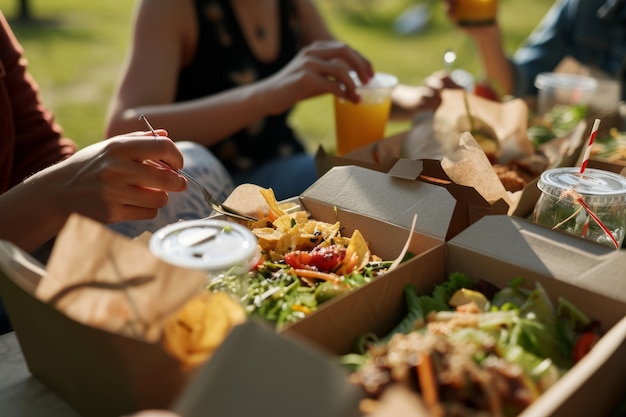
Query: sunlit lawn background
x=76, y=49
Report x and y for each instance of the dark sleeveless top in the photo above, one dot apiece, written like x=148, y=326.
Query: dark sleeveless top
x=223, y=61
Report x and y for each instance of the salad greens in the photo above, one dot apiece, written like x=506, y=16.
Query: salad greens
x=273, y=292
x=518, y=328
x=556, y=123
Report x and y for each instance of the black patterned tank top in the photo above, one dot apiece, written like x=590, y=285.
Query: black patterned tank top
x=223, y=60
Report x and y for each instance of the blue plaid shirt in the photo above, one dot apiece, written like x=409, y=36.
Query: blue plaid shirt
x=591, y=31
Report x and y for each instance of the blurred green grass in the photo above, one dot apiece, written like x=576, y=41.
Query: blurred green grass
x=76, y=50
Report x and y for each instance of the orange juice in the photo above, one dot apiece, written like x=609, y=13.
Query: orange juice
x=360, y=124
x=475, y=12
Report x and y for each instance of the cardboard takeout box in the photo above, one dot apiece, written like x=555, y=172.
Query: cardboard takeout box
x=419, y=142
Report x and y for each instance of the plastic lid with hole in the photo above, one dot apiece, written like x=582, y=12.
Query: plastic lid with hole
x=547, y=80
x=380, y=80
x=211, y=245
x=596, y=186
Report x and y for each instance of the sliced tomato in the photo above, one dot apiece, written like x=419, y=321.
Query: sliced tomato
x=584, y=344
x=323, y=259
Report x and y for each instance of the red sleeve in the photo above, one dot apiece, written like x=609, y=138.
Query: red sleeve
x=30, y=140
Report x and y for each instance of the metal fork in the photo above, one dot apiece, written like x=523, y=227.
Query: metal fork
x=214, y=203
x=208, y=197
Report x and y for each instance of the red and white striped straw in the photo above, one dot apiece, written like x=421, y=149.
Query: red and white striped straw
x=592, y=137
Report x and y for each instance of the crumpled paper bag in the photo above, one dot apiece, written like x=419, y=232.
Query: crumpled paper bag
x=507, y=121
x=108, y=281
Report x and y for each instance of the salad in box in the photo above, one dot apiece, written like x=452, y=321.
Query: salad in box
x=335, y=237
x=471, y=348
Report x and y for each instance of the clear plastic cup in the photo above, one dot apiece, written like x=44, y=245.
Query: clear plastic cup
x=564, y=89
x=359, y=124
x=603, y=192
x=217, y=247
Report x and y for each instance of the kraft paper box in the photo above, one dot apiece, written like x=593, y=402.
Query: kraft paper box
x=497, y=249
x=100, y=367
x=382, y=206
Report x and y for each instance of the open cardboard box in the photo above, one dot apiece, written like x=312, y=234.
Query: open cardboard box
x=497, y=249
x=101, y=373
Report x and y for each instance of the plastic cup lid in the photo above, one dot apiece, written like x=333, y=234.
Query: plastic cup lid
x=380, y=80
x=564, y=81
x=209, y=245
x=594, y=185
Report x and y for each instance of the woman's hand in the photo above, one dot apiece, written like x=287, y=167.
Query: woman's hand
x=320, y=68
x=109, y=181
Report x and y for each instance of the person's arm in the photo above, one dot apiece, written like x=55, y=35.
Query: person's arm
x=551, y=41
x=498, y=71
x=542, y=51
x=30, y=139
x=407, y=100
x=163, y=40
x=106, y=181
x=314, y=27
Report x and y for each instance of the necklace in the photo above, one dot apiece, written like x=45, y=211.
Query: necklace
x=259, y=32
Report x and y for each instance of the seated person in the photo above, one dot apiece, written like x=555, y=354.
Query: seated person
x=593, y=32
x=226, y=73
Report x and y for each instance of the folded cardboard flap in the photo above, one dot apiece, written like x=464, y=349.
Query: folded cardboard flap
x=96, y=372
x=257, y=372
x=410, y=187
x=324, y=162
x=618, y=167
x=533, y=247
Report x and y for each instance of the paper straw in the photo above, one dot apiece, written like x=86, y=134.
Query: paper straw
x=592, y=137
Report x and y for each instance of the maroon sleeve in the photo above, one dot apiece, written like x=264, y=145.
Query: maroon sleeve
x=30, y=140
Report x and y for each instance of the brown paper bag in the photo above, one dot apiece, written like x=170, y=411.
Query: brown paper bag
x=110, y=282
x=506, y=121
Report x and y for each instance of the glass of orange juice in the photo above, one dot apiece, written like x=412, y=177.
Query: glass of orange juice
x=475, y=12
x=359, y=124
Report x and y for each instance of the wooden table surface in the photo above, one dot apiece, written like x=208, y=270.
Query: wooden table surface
x=21, y=394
